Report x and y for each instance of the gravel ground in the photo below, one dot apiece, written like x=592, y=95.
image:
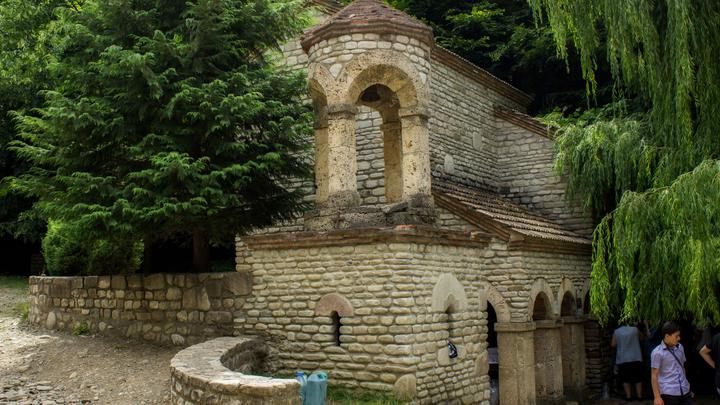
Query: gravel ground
x=42, y=367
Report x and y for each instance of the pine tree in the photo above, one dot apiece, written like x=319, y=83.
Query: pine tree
x=169, y=118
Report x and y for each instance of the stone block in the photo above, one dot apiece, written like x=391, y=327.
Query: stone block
x=219, y=317
x=118, y=283
x=154, y=282
x=104, y=282
x=238, y=283
x=173, y=294
x=214, y=288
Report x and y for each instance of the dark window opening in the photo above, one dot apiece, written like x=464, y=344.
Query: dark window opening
x=336, y=321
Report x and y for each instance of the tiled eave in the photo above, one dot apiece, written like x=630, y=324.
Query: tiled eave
x=515, y=238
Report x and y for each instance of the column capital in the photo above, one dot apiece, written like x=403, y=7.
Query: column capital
x=414, y=111
x=514, y=327
x=341, y=111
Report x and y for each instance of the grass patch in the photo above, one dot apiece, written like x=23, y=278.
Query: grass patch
x=22, y=309
x=14, y=282
x=350, y=396
x=81, y=328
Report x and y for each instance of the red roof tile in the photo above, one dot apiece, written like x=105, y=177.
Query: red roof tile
x=368, y=16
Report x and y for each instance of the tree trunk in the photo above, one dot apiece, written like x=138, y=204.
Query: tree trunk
x=201, y=252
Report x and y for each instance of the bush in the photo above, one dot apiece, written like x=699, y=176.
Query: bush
x=68, y=251
x=81, y=328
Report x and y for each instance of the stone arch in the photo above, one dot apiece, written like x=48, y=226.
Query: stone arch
x=322, y=81
x=334, y=302
x=389, y=68
x=490, y=294
x=541, y=290
x=448, y=294
x=567, y=298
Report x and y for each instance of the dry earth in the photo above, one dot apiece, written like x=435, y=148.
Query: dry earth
x=42, y=367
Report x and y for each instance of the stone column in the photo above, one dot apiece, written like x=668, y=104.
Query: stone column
x=335, y=159
x=392, y=148
x=415, y=157
x=573, y=358
x=516, y=359
x=548, y=362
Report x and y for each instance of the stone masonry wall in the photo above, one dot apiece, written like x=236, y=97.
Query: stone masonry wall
x=526, y=162
x=179, y=309
x=394, y=335
x=462, y=126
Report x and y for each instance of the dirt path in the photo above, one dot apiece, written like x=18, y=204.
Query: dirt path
x=42, y=367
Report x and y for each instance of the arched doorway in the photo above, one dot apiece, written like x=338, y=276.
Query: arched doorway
x=493, y=355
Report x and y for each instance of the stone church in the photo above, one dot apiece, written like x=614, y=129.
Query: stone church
x=442, y=256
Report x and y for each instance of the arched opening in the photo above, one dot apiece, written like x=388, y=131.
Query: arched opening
x=493, y=356
x=379, y=146
x=541, y=308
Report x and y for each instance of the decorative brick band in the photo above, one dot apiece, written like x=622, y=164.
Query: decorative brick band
x=218, y=372
x=180, y=309
x=364, y=236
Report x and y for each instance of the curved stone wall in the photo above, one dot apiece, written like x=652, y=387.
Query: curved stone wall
x=179, y=309
x=216, y=372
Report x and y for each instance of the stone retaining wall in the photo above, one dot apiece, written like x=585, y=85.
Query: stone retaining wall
x=217, y=372
x=180, y=309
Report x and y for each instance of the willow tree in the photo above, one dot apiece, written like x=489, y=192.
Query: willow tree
x=650, y=176
x=168, y=119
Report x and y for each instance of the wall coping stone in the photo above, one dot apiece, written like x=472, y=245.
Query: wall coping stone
x=201, y=367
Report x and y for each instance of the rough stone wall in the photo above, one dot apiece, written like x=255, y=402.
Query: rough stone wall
x=393, y=333
x=216, y=372
x=526, y=167
x=179, y=309
x=598, y=356
x=371, y=161
x=462, y=126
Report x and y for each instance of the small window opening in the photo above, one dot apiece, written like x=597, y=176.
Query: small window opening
x=337, y=324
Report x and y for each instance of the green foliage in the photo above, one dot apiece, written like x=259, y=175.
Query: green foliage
x=605, y=151
x=81, y=328
x=21, y=310
x=502, y=37
x=25, y=55
x=347, y=396
x=652, y=175
x=173, y=122
x=68, y=251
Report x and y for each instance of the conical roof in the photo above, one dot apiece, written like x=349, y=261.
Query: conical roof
x=368, y=16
